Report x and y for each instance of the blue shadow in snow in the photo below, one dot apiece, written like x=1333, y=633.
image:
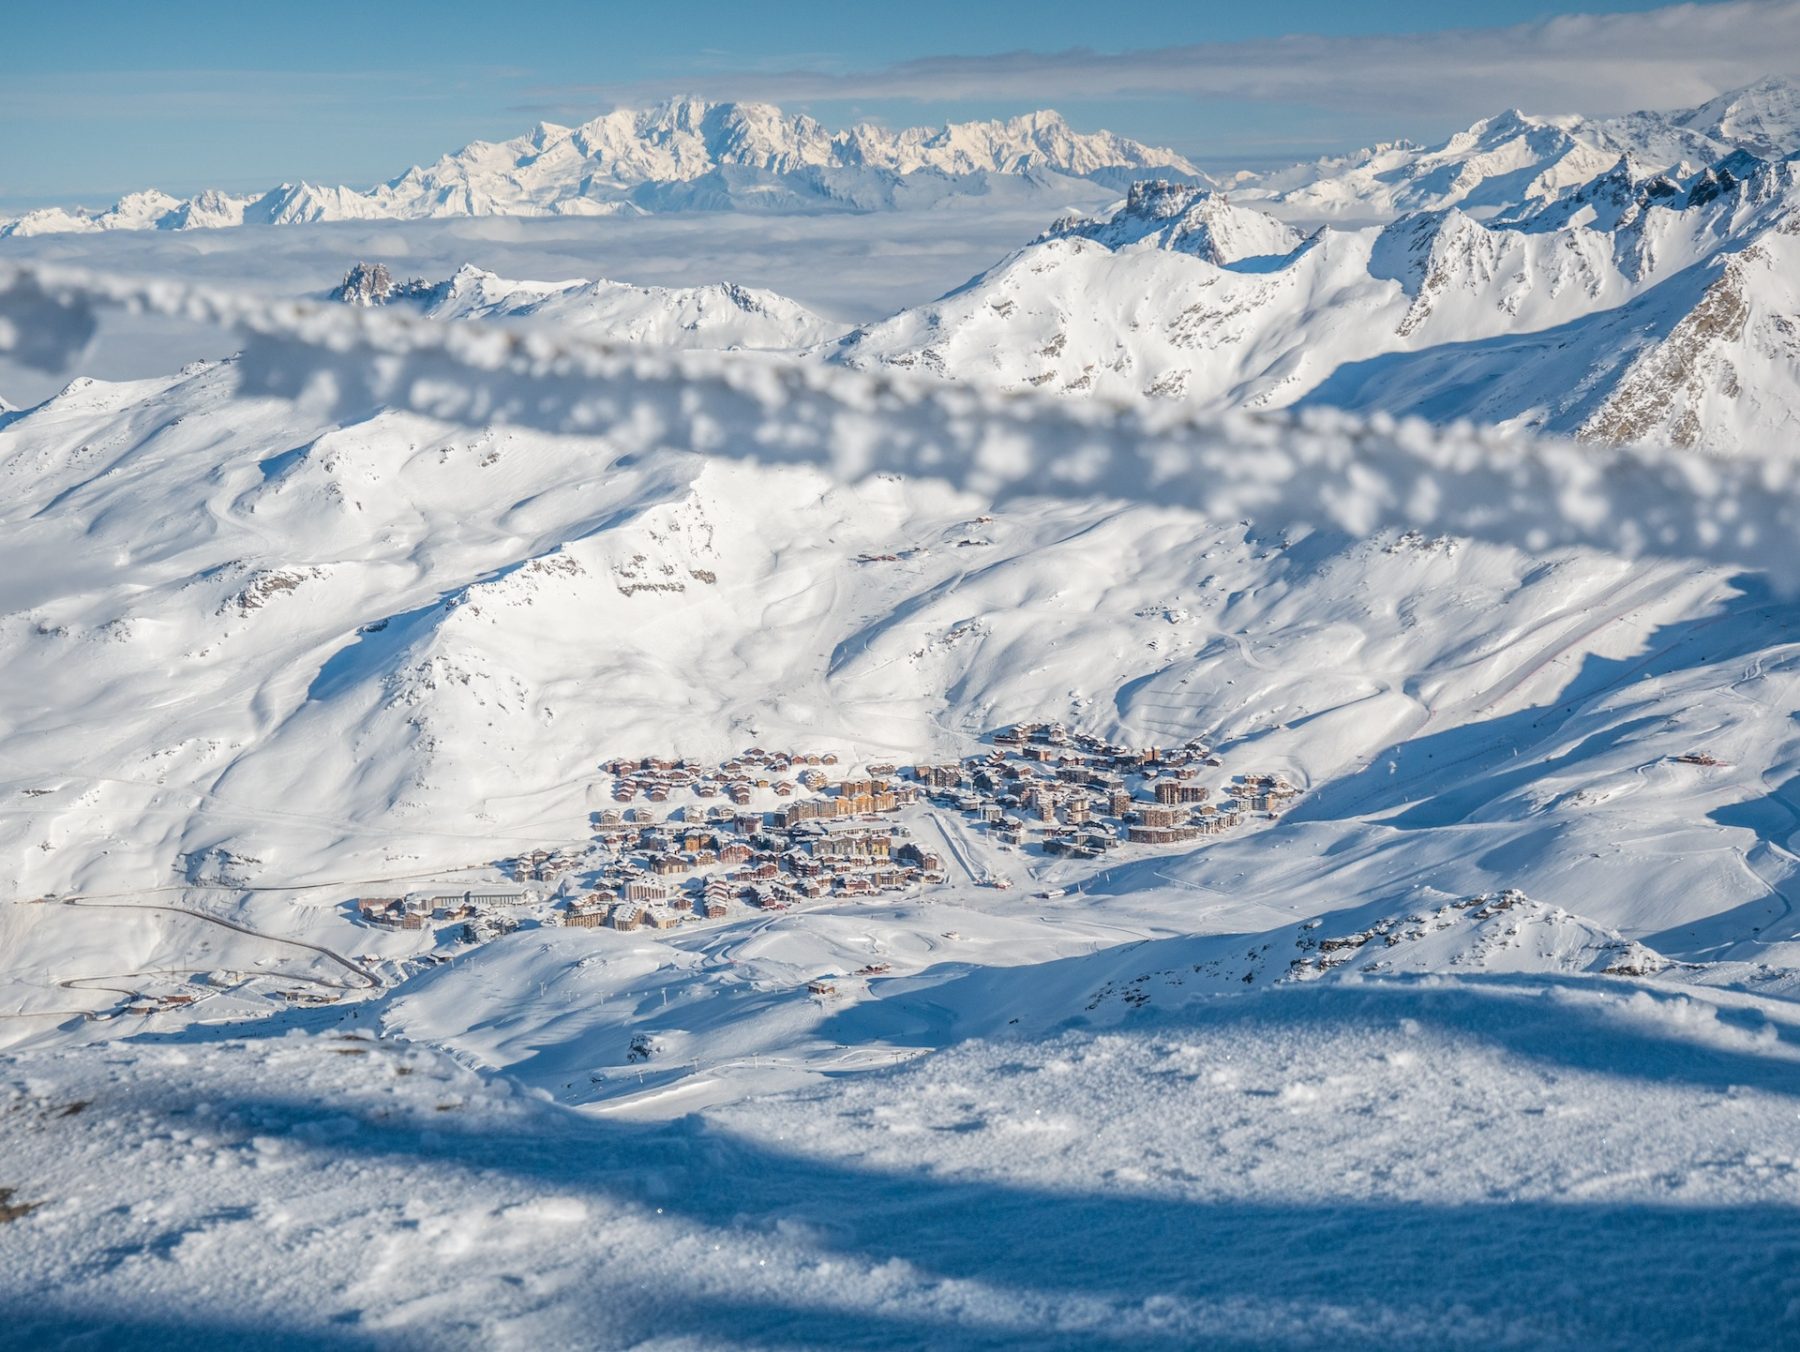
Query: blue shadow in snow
x=989, y=1263
x=1772, y=918
x=277, y=465
x=377, y=643
x=371, y=650
x=1447, y=777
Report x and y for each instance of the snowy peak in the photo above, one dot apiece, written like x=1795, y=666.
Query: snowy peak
x=1184, y=219
x=1763, y=118
x=1514, y=160
x=1041, y=140
x=684, y=138
x=370, y=284
x=1719, y=179
x=1496, y=163
x=1614, y=199
x=1633, y=307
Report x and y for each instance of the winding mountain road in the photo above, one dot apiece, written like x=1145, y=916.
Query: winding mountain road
x=368, y=979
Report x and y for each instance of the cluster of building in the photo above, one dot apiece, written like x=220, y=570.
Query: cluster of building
x=481, y=903
x=773, y=829
x=783, y=773
x=1079, y=795
x=823, y=838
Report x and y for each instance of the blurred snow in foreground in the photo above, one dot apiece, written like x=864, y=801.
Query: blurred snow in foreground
x=1428, y=1165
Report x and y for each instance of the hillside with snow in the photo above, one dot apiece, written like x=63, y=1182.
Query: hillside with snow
x=388, y=620
x=1512, y=979
x=720, y=315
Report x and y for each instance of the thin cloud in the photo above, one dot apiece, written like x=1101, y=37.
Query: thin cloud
x=242, y=95
x=1591, y=63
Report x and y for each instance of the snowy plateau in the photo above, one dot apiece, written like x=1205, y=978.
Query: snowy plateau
x=602, y=747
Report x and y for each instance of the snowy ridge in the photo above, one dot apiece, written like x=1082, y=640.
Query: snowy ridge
x=720, y=315
x=1493, y=164
x=1183, y=219
x=1501, y=932
x=682, y=154
x=1630, y=309
x=1762, y=118
x=1512, y=158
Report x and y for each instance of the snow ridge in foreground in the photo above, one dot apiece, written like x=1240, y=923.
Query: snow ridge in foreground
x=1317, y=467
x=1379, y=1167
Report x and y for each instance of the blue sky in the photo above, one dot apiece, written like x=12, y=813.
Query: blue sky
x=102, y=97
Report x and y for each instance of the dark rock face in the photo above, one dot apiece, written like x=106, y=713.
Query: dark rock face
x=373, y=284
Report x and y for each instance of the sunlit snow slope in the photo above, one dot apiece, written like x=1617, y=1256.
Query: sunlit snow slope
x=265, y=642
x=1503, y=1003
x=1632, y=309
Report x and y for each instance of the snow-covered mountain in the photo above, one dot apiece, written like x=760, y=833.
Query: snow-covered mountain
x=682, y=154
x=1495, y=163
x=1762, y=118
x=689, y=154
x=719, y=315
x=1476, y=960
x=1627, y=308
x=1515, y=158
x=1157, y=214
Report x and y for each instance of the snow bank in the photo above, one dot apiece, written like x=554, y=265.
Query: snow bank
x=1361, y=1168
x=1317, y=467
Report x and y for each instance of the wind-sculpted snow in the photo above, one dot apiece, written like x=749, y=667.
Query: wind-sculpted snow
x=1539, y=1165
x=1318, y=467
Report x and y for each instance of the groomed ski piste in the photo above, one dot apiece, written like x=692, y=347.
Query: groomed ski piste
x=1488, y=1039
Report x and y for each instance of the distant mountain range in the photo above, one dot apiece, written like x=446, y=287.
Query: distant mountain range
x=1631, y=306
x=1515, y=158
x=685, y=154
x=692, y=155
x=1625, y=279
